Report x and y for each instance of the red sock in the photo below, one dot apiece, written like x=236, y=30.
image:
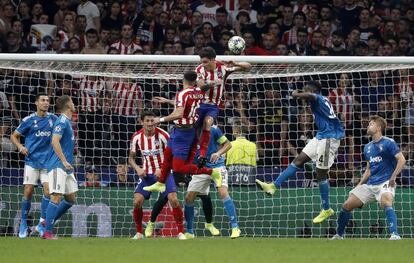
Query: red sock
x=137, y=216
x=204, y=141
x=182, y=167
x=178, y=217
x=166, y=165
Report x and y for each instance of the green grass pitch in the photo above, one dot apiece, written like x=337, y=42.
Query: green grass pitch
x=252, y=250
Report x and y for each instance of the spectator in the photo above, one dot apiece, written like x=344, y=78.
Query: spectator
x=74, y=45
x=170, y=34
x=403, y=47
x=104, y=38
x=178, y=48
x=122, y=177
x=93, y=178
x=221, y=46
x=127, y=45
x=148, y=31
x=14, y=45
x=24, y=16
x=373, y=45
x=389, y=31
x=325, y=27
x=300, y=133
x=199, y=43
x=185, y=36
x=268, y=46
x=315, y=44
x=176, y=17
x=80, y=29
x=37, y=11
x=386, y=49
x=93, y=46
x=348, y=16
x=222, y=23
x=207, y=30
x=302, y=42
x=242, y=22
x=352, y=40
x=404, y=28
x=6, y=17
x=274, y=29
x=282, y=49
x=208, y=11
x=6, y=118
x=59, y=17
x=287, y=18
x=196, y=21
x=244, y=5
x=373, y=92
x=365, y=26
x=261, y=26
x=91, y=12
x=326, y=13
x=114, y=18
x=361, y=49
x=68, y=25
x=312, y=19
x=131, y=11
x=290, y=37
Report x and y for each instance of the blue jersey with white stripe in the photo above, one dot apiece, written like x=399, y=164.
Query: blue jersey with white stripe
x=216, y=139
x=62, y=127
x=328, y=124
x=381, y=158
x=37, y=132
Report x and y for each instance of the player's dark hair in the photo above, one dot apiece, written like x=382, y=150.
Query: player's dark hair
x=315, y=85
x=40, y=95
x=147, y=113
x=380, y=121
x=207, y=52
x=190, y=76
x=62, y=103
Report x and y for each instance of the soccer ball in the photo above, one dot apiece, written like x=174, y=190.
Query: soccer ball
x=236, y=45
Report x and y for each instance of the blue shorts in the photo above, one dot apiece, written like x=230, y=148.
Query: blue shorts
x=207, y=110
x=150, y=180
x=180, y=142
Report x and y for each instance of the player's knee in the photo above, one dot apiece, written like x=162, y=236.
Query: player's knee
x=223, y=193
x=174, y=202
x=71, y=198
x=207, y=123
x=55, y=198
x=138, y=202
x=189, y=198
x=28, y=191
x=46, y=192
x=348, y=206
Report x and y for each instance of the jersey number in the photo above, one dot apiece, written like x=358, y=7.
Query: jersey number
x=332, y=114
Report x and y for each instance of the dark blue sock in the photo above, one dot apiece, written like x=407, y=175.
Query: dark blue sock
x=43, y=206
x=343, y=219
x=25, y=209
x=62, y=208
x=50, y=216
x=286, y=174
x=189, y=217
x=324, y=190
x=392, y=219
x=231, y=211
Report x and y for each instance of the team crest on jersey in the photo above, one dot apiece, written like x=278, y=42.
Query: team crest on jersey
x=219, y=74
x=369, y=149
x=157, y=144
x=35, y=124
x=58, y=129
x=50, y=123
x=380, y=147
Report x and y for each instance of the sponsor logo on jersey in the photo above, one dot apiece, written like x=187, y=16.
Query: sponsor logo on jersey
x=197, y=96
x=375, y=159
x=43, y=134
x=151, y=152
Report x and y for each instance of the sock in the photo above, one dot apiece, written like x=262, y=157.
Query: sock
x=324, y=191
x=51, y=215
x=189, y=217
x=157, y=208
x=286, y=174
x=343, y=219
x=43, y=207
x=182, y=167
x=62, y=208
x=204, y=141
x=392, y=219
x=207, y=208
x=166, y=165
x=178, y=217
x=137, y=216
x=231, y=211
x=26, y=203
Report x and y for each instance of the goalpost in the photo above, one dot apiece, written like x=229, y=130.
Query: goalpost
x=280, y=126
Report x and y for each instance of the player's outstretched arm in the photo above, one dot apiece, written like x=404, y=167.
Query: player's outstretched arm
x=400, y=165
x=366, y=175
x=240, y=66
x=131, y=160
x=58, y=150
x=225, y=147
x=175, y=115
x=163, y=100
x=303, y=95
x=15, y=139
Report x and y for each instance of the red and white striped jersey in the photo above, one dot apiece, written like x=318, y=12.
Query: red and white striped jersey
x=190, y=99
x=127, y=95
x=126, y=50
x=343, y=102
x=218, y=76
x=91, y=91
x=151, y=148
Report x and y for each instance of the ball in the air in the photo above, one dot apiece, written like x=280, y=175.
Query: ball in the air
x=236, y=45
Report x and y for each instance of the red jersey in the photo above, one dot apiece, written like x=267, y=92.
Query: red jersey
x=151, y=148
x=190, y=99
x=218, y=76
x=127, y=95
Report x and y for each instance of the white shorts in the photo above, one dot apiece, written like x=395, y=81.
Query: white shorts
x=32, y=175
x=200, y=183
x=369, y=193
x=62, y=183
x=322, y=151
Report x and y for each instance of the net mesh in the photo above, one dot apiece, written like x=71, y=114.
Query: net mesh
x=279, y=125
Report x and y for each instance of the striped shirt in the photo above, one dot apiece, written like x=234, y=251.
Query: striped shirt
x=343, y=103
x=190, y=99
x=126, y=50
x=218, y=76
x=127, y=95
x=91, y=90
x=151, y=148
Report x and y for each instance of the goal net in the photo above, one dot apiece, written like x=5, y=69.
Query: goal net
x=111, y=91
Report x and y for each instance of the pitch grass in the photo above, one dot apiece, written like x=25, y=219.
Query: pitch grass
x=223, y=250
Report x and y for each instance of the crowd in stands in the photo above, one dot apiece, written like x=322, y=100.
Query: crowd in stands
x=108, y=109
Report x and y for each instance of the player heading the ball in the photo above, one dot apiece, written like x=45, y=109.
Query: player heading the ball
x=384, y=162
x=322, y=149
x=215, y=73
